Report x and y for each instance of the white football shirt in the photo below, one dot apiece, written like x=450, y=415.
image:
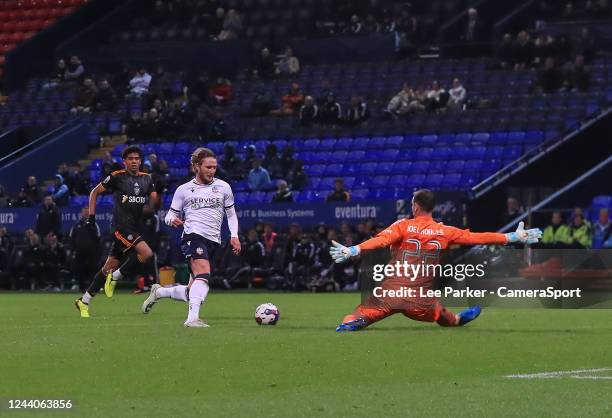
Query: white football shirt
x=203, y=206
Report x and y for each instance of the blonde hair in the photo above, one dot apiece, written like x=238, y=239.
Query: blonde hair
x=200, y=154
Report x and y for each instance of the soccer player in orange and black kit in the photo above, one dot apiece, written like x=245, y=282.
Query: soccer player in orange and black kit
x=131, y=189
x=415, y=241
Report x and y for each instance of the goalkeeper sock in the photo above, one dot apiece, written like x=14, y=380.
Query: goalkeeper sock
x=177, y=292
x=197, y=295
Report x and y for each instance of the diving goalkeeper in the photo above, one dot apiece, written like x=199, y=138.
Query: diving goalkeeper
x=415, y=241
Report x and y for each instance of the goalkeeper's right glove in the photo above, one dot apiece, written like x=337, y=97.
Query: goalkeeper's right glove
x=341, y=253
x=526, y=236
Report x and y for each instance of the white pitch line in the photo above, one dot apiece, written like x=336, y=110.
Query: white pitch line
x=549, y=375
x=593, y=377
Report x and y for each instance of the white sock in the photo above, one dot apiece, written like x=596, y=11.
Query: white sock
x=86, y=298
x=197, y=294
x=178, y=292
x=117, y=275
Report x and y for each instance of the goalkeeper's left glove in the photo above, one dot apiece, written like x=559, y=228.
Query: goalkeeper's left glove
x=340, y=253
x=526, y=236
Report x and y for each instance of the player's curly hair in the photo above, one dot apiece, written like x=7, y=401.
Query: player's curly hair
x=199, y=154
x=132, y=149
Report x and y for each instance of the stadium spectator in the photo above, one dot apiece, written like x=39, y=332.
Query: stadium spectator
x=301, y=262
x=48, y=219
x=160, y=84
x=32, y=190
x=287, y=161
x=269, y=237
x=288, y=64
x=356, y=27
x=54, y=263
x=290, y=102
x=330, y=111
x=340, y=194
x=283, y=194
x=74, y=71
x=523, y=51
x=570, y=12
x=601, y=229
x=221, y=92
x=405, y=32
x=80, y=179
x=584, y=45
x=139, y=84
x=262, y=102
x=577, y=75
x=254, y=251
x=505, y=52
x=513, y=209
x=108, y=164
x=266, y=67
x=85, y=96
x=457, y=95
x=580, y=233
x=308, y=112
x=231, y=163
x=106, y=98
x=133, y=127
x=557, y=234
x=21, y=200
x=4, y=199
x=58, y=76
x=85, y=242
x=32, y=265
x=543, y=47
x=473, y=27
x=214, y=23
x=272, y=162
x=6, y=248
x=436, y=97
x=60, y=192
x=232, y=26
x=549, y=79
x=259, y=179
x=402, y=103
x=357, y=112
x=297, y=177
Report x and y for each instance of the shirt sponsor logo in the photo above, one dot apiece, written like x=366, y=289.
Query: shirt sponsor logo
x=133, y=199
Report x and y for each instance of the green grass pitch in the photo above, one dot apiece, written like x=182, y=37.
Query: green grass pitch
x=122, y=363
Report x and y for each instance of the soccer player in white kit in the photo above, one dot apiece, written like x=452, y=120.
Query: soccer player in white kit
x=203, y=201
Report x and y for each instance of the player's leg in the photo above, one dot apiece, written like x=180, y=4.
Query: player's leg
x=443, y=316
x=82, y=303
x=138, y=255
x=364, y=315
x=174, y=291
x=197, y=290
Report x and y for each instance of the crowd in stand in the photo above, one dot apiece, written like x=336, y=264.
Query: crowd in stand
x=578, y=232
x=561, y=64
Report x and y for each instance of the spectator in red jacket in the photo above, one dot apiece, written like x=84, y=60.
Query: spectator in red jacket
x=221, y=92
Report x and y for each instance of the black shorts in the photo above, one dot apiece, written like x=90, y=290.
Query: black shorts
x=197, y=247
x=124, y=239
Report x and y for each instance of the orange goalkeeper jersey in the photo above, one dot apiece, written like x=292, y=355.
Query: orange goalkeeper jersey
x=421, y=239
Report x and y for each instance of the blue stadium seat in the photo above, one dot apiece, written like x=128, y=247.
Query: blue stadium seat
x=415, y=180
x=412, y=141
x=327, y=144
x=312, y=144
x=424, y=153
x=79, y=200
x=433, y=181
x=166, y=148
x=534, y=137
x=463, y=138
x=359, y=194
x=602, y=201
x=398, y=180
x=390, y=154
x=481, y=137
x=419, y=167
x=446, y=139
x=455, y=166
x=349, y=182
x=368, y=168
x=516, y=137
x=345, y=143
x=334, y=170
x=116, y=152
x=316, y=169
x=149, y=149
x=499, y=138
x=182, y=148
x=385, y=167
x=361, y=143
x=429, y=140
x=451, y=181
x=377, y=142
x=472, y=166
x=339, y=156
x=380, y=181
x=321, y=157
x=356, y=156
x=402, y=167
x=394, y=142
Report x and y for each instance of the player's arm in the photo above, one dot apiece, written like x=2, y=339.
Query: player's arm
x=173, y=217
x=466, y=237
x=93, y=199
x=232, y=223
x=384, y=239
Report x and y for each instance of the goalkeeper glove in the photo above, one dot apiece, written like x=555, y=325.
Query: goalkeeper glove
x=91, y=220
x=526, y=236
x=340, y=253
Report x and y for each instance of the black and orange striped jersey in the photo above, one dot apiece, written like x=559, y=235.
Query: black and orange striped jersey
x=130, y=193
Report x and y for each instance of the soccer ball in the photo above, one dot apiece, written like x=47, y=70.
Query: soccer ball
x=267, y=314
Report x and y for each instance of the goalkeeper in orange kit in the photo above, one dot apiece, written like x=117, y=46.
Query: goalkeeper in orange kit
x=416, y=241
